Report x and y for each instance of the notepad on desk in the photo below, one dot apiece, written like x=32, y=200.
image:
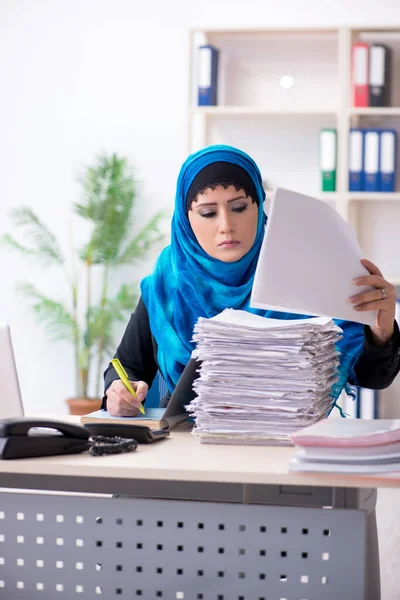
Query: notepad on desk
x=154, y=418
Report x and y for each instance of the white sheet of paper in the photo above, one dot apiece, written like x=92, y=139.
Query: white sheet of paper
x=308, y=260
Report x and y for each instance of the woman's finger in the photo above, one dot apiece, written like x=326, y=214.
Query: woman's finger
x=376, y=305
x=117, y=406
x=372, y=268
x=141, y=388
x=371, y=280
x=374, y=296
x=119, y=388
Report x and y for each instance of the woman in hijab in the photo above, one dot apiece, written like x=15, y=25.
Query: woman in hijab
x=216, y=235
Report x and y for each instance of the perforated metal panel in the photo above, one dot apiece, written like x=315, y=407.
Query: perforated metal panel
x=85, y=547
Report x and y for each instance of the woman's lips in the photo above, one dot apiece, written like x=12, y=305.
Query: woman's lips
x=229, y=244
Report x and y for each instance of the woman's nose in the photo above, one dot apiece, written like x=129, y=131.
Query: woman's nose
x=226, y=224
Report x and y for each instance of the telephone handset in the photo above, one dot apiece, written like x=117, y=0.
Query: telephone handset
x=24, y=438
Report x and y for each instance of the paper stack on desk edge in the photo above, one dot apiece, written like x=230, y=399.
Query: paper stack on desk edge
x=354, y=446
x=262, y=379
x=309, y=258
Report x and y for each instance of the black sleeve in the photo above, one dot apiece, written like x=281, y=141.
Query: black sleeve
x=136, y=351
x=377, y=366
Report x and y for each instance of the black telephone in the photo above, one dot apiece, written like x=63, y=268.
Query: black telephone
x=24, y=438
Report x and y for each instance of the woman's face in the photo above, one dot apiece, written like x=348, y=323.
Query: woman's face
x=224, y=222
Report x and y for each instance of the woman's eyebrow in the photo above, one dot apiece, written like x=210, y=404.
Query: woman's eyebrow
x=229, y=201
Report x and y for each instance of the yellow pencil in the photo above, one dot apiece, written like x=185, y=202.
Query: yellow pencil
x=122, y=374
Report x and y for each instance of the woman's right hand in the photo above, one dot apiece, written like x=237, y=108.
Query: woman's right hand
x=121, y=403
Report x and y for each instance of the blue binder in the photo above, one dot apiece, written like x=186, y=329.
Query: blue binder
x=387, y=160
x=371, y=160
x=208, y=75
x=356, y=160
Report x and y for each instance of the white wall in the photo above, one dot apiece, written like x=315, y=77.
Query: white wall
x=81, y=76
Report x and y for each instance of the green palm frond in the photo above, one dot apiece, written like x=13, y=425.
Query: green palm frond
x=99, y=330
x=101, y=319
x=109, y=193
x=13, y=244
x=93, y=181
x=148, y=237
x=125, y=299
x=56, y=319
x=45, y=246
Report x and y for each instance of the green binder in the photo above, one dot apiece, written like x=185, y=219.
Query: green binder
x=328, y=159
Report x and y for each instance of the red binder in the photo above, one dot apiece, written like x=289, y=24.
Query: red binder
x=360, y=74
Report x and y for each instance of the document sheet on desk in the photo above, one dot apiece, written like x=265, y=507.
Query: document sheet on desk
x=262, y=379
x=309, y=258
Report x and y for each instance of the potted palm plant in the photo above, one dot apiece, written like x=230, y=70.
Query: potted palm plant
x=87, y=319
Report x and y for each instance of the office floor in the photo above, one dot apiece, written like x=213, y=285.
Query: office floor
x=388, y=517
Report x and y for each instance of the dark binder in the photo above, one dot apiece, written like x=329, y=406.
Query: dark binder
x=380, y=60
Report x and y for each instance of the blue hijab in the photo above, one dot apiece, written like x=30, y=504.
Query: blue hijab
x=187, y=283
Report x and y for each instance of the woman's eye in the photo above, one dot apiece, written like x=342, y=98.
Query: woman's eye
x=208, y=215
x=239, y=209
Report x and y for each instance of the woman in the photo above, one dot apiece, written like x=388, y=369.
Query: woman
x=216, y=235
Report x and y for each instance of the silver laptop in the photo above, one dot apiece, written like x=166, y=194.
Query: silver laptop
x=10, y=394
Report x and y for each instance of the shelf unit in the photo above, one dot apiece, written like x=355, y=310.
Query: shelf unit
x=280, y=127
x=249, y=111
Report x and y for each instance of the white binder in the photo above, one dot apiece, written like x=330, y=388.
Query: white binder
x=371, y=160
x=356, y=160
x=387, y=160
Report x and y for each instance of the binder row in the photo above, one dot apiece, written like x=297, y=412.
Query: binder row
x=372, y=160
x=371, y=74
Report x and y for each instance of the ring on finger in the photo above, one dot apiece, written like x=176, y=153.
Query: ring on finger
x=383, y=292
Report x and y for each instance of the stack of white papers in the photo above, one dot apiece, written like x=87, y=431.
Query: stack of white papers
x=262, y=379
x=348, y=446
x=305, y=231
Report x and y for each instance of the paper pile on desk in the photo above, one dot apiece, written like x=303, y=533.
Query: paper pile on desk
x=367, y=446
x=262, y=379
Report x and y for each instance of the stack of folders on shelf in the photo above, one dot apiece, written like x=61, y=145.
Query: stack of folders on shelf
x=262, y=379
x=328, y=159
x=207, y=78
x=372, y=160
x=353, y=446
x=371, y=74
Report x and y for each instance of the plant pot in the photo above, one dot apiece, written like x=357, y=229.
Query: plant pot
x=82, y=406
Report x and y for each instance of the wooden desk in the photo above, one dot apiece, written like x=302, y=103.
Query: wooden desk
x=178, y=458
x=194, y=521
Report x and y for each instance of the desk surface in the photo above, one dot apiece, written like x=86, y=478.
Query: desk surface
x=181, y=457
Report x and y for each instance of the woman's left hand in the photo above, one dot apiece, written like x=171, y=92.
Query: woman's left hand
x=382, y=299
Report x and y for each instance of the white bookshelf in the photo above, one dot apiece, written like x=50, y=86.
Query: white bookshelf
x=280, y=127
x=371, y=197
x=384, y=111
x=249, y=111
